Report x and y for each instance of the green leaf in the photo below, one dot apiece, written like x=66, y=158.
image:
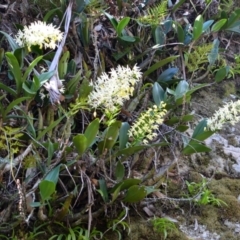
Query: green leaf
x=1, y=57
x=80, y=5
x=204, y=135
x=120, y=171
x=150, y=189
x=73, y=237
x=185, y=99
x=103, y=189
x=234, y=28
x=213, y=55
x=221, y=74
x=207, y=24
x=11, y=41
x=180, y=33
x=195, y=147
x=218, y=25
x=15, y=69
x=130, y=150
x=159, y=36
x=28, y=90
x=173, y=120
x=231, y=20
x=167, y=74
x=158, y=93
x=13, y=104
x=31, y=67
x=45, y=76
x=177, y=5
x=159, y=64
x=123, y=135
x=126, y=184
x=85, y=89
x=187, y=118
x=84, y=30
x=71, y=87
x=198, y=27
x=63, y=65
x=8, y=89
x=112, y=134
x=47, y=188
x=49, y=128
x=35, y=86
x=91, y=132
x=167, y=25
x=112, y=20
x=181, y=89
x=72, y=66
x=121, y=25
x=181, y=128
x=135, y=194
x=115, y=194
x=20, y=54
x=199, y=86
x=128, y=38
x=199, y=129
x=50, y=149
x=53, y=175
x=53, y=12
x=80, y=142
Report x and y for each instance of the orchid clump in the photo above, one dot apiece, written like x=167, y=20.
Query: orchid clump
x=143, y=130
x=111, y=91
x=39, y=33
x=229, y=113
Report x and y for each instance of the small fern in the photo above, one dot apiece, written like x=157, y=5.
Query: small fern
x=154, y=15
x=197, y=59
x=10, y=142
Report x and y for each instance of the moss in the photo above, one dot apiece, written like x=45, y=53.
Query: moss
x=209, y=217
x=195, y=177
x=225, y=186
x=174, y=188
x=142, y=230
x=229, y=88
x=232, y=211
x=177, y=234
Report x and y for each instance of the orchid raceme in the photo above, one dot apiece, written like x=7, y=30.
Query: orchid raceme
x=39, y=33
x=229, y=113
x=143, y=130
x=111, y=91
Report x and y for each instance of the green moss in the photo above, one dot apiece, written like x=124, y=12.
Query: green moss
x=232, y=211
x=177, y=234
x=142, y=230
x=225, y=186
x=229, y=88
x=195, y=177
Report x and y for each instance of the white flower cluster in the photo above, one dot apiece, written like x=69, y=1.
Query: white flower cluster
x=39, y=33
x=143, y=129
x=229, y=113
x=110, y=91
